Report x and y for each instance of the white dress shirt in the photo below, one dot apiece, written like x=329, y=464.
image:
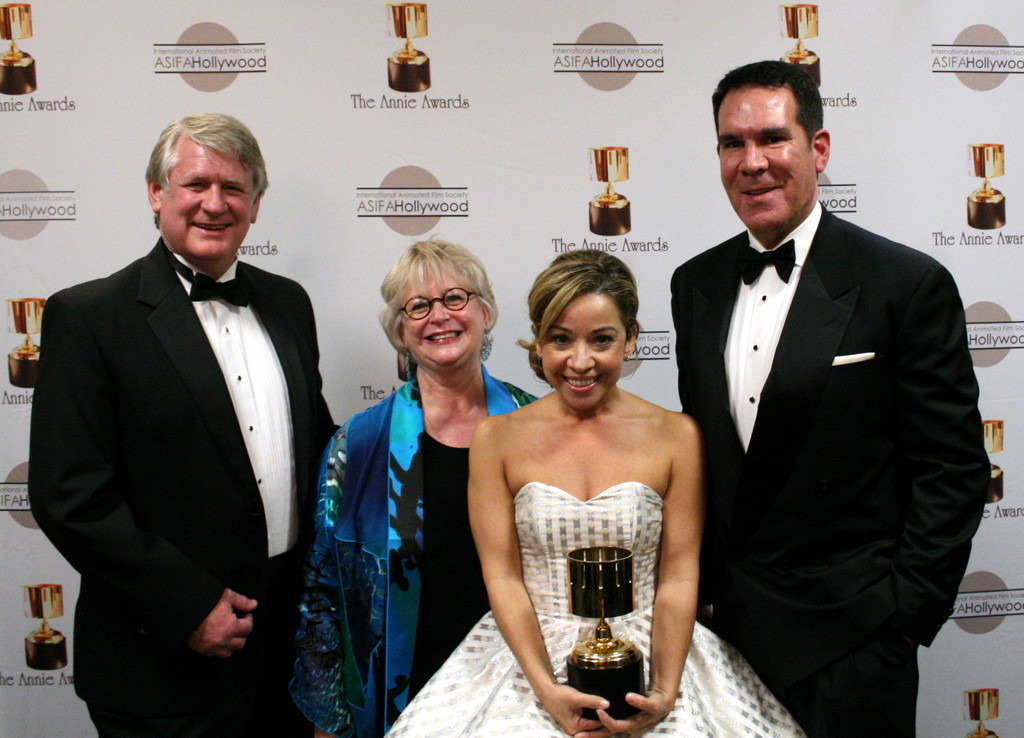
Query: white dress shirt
x=259, y=394
x=757, y=321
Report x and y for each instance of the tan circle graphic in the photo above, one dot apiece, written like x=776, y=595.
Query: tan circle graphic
x=413, y=178
x=987, y=312
x=980, y=35
x=19, y=475
x=606, y=33
x=208, y=33
x=21, y=181
x=981, y=581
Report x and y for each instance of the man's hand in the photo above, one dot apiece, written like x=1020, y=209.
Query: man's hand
x=226, y=627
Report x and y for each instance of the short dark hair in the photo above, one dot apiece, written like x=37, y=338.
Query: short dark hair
x=770, y=73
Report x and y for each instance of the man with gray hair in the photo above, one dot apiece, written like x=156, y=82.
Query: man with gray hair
x=176, y=423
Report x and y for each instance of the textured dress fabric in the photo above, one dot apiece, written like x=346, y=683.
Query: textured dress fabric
x=481, y=691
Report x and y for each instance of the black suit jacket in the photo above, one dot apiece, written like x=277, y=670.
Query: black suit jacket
x=139, y=475
x=863, y=483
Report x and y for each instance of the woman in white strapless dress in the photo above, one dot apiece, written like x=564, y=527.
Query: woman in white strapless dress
x=588, y=465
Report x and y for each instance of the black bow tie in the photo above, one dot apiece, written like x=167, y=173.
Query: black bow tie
x=753, y=262
x=205, y=287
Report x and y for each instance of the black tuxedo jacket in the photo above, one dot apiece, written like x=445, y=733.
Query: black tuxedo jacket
x=139, y=475
x=863, y=483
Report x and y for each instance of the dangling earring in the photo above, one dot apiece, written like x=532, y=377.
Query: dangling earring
x=409, y=364
x=485, y=347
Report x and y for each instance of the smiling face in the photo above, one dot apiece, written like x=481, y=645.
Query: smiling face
x=769, y=167
x=583, y=351
x=206, y=208
x=445, y=340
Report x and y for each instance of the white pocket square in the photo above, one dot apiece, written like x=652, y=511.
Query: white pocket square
x=852, y=358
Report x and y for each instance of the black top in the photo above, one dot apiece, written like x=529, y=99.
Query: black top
x=453, y=597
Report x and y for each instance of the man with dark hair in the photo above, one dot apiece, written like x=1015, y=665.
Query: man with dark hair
x=829, y=370
x=176, y=424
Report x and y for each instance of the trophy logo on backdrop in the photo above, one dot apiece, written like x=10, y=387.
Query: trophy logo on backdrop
x=45, y=648
x=609, y=211
x=986, y=206
x=798, y=22
x=981, y=705
x=17, y=68
x=993, y=430
x=24, y=317
x=408, y=68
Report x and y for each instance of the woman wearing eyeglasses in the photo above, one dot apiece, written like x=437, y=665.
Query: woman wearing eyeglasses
x=378, y=614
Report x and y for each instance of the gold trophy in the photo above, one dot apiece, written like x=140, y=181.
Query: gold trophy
x=986, y=207
x=600, y=586
x=408, y=69
x=981, y=705
x=994, y=443
x=609, y=211
x=25, y=316
x=45, y=648
x=17, y=69
x=800, y=21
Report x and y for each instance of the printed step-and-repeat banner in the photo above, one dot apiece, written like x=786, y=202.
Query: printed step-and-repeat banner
x=520, y=130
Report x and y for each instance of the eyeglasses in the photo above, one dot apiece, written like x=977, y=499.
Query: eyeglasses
x=453, y=299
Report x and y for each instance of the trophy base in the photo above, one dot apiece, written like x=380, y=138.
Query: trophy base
x=986, y=215
x=405, y=77
x=995, y=485
x=610, y=221
x=48, y=654
x=812, y=66
x=19, y=79
x=22, y=372
x=612, y=684
x=982, y=734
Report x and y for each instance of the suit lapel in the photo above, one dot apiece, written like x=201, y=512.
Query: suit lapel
x=817, y=320
x=713, y=302
x=275, y=312
x=176, y=326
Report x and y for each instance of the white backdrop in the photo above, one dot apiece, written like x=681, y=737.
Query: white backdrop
x=502, y=137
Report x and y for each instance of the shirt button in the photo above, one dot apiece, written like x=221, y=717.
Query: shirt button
x=250, y=428
x=239, y=377
x=752, y=400
x=755, y=347
x=764, y=297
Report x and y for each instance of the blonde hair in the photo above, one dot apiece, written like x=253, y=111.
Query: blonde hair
x=432, y=260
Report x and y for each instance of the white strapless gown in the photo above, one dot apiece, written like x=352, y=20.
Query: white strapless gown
x=481, y=691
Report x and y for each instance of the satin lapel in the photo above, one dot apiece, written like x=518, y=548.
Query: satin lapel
x=276, y=315
x=176, y=326
x=713, y=304
x=817, y=321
